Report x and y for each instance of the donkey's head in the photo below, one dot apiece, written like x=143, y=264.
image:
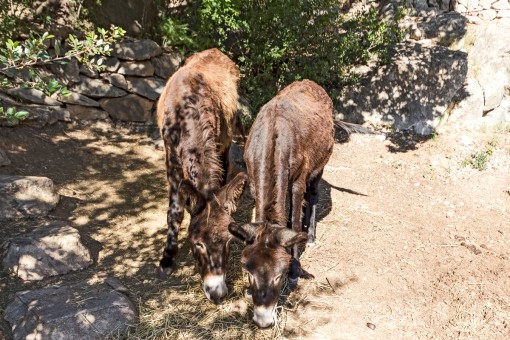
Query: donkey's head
x=266, y=259
x=209, y=235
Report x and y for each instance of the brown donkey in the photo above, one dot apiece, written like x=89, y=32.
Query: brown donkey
x=196, y=114
x=288, y=146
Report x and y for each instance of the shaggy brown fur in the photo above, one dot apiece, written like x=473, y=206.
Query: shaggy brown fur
x=196, y=114
x=288, y=146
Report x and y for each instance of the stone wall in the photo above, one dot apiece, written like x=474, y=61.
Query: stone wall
x=126, y=90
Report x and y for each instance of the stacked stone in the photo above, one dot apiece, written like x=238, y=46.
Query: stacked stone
x=484, y=9
x=126, y=90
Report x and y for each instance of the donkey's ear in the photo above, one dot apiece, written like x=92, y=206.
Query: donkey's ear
x=245, y=232
x=230, y=193
x=188, y=191
x=288, y=238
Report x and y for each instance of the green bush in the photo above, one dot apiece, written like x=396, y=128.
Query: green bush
x=275, y=42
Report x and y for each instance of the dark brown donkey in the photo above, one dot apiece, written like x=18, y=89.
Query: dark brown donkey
x=288, y=146
x=196, y=114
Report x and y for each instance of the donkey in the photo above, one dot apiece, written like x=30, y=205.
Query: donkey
x=196, y=114
x=288, y=146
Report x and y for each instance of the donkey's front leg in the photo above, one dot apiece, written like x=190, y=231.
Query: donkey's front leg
x=174, y=217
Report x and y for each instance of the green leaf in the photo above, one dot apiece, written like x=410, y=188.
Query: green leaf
x=57, y=47
x=21, y=115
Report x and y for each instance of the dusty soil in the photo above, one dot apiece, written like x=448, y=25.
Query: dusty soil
x=412, y=242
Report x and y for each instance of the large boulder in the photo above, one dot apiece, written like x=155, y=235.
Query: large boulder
x=469, y=109
x=53, y=249
x=412, y=92
x=79, y=311
x=129, y=108
x=26, y=196
x=490, y=61
x=445, y=27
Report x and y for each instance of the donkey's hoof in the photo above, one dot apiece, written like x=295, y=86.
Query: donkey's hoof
x=165, y=272
x=293, y=283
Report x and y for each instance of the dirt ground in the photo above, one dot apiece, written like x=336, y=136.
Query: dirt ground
x=413, y=242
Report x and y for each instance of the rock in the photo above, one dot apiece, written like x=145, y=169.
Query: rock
x=80, y=311
x=4, y=160
x=412, y=91
x=166, y=64
x=129, y=108
x=485, y=4
x=136, y=68
x=51, y=250
x=33, y=96
x=447, y=27
x=490, y=61
x=26, y=196
x=504, y=13
x=39, y=116
x=112, y=64
x=88, y=72
x=116, y=285
x=470, y=107
x=66, y=73
x=501, y=4
x=6, y=100
x=116, y=80
x=488, y=15
x=79, y=112
x=146, y=87
x=77, y=99
x=460, y=8
x=472, y=5
x=98, y=88
x=499, y=117
x=136, y=50
x=474, y=20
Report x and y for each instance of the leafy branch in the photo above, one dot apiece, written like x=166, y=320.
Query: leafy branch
x=27, y=55
x=34, y=51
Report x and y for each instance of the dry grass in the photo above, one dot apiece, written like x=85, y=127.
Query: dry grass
x=182, y=311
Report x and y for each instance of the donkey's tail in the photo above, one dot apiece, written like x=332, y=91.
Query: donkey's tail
x=353, y=128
